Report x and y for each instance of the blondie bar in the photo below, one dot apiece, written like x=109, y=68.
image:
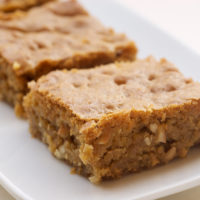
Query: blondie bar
x=53, y=36
x=116, y=119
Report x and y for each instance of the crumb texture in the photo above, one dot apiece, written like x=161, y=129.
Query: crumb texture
x=116, y=119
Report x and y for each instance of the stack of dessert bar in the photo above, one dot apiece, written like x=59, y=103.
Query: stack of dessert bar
x=87, y=96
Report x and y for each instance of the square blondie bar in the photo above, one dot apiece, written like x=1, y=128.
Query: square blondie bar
x=53, y=36
x=116, y=119
x=13, y=5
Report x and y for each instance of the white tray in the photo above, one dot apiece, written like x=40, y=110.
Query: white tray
x=27, y=169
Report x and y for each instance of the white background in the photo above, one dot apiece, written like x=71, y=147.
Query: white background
x=181, y=19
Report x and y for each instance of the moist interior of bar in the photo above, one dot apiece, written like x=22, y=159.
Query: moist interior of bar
x=55, y=126
x=61, y=130
x=12, y=87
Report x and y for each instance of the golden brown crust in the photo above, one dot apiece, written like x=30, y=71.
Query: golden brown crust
x=101, y=141
x=43, y=49
x=141, y=85
x=13, y=5
x=79, y=35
